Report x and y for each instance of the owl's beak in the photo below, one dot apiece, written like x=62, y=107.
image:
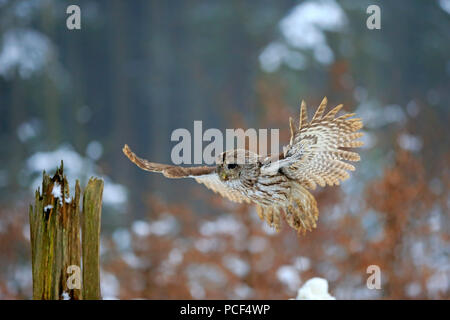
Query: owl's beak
x=224, y=176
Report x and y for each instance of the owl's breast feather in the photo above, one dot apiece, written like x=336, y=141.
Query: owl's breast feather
x=264, y=190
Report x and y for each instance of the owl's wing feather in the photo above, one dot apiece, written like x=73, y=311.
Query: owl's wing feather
x=169, y=171
x=213, y=182
x=317, y=148
x=204, y=174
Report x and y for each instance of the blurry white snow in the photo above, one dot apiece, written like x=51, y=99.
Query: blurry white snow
x=141, y=228
x=323, y=54
x=445, y=5
x=164, y=226
x=289, y=276
x=109, y=286
x=434, y=219
x=272, y=56
x=75, y=167
x=94, y=150
x=73, y=162
x=268, y=229
x=329, y=270
x=243, y=291
x=24, y=49
x=209, y=244
x=236, y=265
x=437, y=283
x=133, y=260
x=410, y=142
x=65, y=296
x=418, y=253
x=413, y=289
x=24, y=9
x=394, y=113
x=277, y=53
x=196, y=290
x=302, y=263
x=303, y=24
x=360, y=292
x=167, y=268
x=114, y=194
x=122, y=239
x=375, y=116
x=28, y=130
x=257, y=244
x=25, y=231
x=56, y=191
x=303, y=28
x=204, y=275
x=175, y=257
x=314, y=289
x=23, y=276
x=222, y=225
x=295, y=60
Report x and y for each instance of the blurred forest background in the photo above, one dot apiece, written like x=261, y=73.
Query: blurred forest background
x=139, y=69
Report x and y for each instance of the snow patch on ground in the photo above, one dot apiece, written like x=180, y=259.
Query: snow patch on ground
x=314, y=289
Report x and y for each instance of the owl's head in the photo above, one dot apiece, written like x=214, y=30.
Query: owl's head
x=233, y=163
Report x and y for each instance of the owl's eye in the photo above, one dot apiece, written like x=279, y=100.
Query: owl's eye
x=232, y=166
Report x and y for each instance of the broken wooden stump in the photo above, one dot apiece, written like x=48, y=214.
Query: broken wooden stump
x=57, y=252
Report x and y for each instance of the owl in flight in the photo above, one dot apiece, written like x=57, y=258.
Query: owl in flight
x=278, y=184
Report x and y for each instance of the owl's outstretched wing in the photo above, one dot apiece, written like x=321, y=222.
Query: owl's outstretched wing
x=317, y=148
x=204, y=174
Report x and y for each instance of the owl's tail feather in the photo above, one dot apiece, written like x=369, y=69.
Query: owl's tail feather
x=271, y=215
x=300, y=213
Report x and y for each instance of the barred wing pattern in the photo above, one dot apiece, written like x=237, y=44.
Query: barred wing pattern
x=317, y=148
x=204, y=174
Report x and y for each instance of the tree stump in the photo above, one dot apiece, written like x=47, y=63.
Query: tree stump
x=55, y=224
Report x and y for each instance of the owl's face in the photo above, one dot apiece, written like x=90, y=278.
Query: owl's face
x=236, y=164
x=229, y=171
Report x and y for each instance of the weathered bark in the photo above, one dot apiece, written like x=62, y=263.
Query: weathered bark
x=91, y=219
x=55, y=240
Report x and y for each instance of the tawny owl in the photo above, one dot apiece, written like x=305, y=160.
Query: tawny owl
x=279, y=184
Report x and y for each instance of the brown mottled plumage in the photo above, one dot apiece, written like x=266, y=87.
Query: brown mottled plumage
x=278, y=184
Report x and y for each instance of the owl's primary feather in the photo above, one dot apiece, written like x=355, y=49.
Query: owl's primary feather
x=278, y=184
x=317, y=148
